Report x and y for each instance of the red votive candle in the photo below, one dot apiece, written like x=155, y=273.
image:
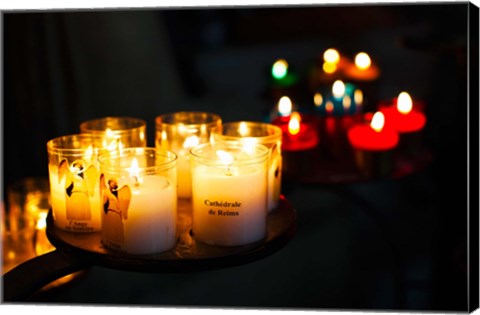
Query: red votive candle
x=408, y=121
x=299, y=141
x=373, y=145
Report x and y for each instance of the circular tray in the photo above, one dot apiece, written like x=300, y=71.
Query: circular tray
x=188, y=254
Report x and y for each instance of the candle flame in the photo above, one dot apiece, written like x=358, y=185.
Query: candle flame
x=329, y=107
x=329, y=67
x=285, y=106
x=225, y=157
x=294, y=123
x=42, y=220
x=317, y=99
x=243, y=129
x=134, y=170
x=347, y=102
x=363, y=61
x=404, y=103
x=190, y=142
x=338, y=89
x=378, y=120
x=358, y=97
x=331, y=55
x=249, y=145
x=280, y=68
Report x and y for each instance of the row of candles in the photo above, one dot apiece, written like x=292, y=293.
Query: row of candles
x=106, y=179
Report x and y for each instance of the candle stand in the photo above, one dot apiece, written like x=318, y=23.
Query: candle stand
x=76, y=252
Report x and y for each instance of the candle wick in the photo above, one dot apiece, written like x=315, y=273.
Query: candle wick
x=136, y=184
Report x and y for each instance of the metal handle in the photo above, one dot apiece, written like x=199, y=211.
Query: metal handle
x=27, y=278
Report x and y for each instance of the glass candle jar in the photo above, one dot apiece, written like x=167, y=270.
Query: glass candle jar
x=117, y=132
x=179, y=132
x=229, y=193
x=74, y=182
x=139, y=200
x=263, y=133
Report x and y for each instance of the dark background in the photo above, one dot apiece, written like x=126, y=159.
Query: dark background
x=385, y=244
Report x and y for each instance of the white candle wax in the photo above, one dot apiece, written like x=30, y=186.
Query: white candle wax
x=229, y=209
x=63, y=204
x=150, y=226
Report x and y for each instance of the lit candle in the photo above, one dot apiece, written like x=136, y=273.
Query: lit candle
x=229, y=193
x=266, y=134
x=180, y=132
x=139, y=200
x=343, y=99
x=297, y=134
x=363, y=68
x=403, y=117
x=116, y=133
x=372, y=144
x=74, y=187
x=281, y=74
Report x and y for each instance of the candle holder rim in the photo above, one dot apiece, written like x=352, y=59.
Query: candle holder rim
x=217, y=132
x=260, y=157
x=54, y=148
x=160, y=119
x=171, y=162
x=86, y=128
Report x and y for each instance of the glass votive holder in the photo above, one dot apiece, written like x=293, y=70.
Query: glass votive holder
x=179, y=132
x=139, y=194
x=18, y=238
x=263, y=133
x=229, y=193
x=74, y=182
x=117, y=132
x=31, y=196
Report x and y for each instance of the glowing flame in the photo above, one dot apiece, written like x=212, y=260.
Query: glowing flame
x=404, y=103
x=285, y=106
x=378, y=120
x=358, y=97
x=42, y=220
x=134, y=170
x=225, y=157
x=362, y=61
x=329, y=107
x=331, y=55
x=317, y=99
x=190, y=142
x=279, y=69
x=249, y=145
x=329, y=67
x=294, y=123
x=347, y=102
x=243, y=129
x=338, y=88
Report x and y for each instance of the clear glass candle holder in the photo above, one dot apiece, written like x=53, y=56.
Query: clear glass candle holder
x=74, y=182
x=179, y=132
x=263, y=133
x=139, y=200
x=117, y=132
x=229, y=193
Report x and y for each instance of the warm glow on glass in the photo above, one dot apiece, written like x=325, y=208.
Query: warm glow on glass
x=329, y=107
x=362, y=61
x=249, y=145
x=285, y=106
x=243, y=129
x=225, y=157
x=294, y=123
x=280, y=69
x=338, y=89
x=347, y=102
x=331, y=55
x=329, y=67
x=378, y=120
x=190, y=142
x=404, y=103
x=317, y=99
x=358, y=97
